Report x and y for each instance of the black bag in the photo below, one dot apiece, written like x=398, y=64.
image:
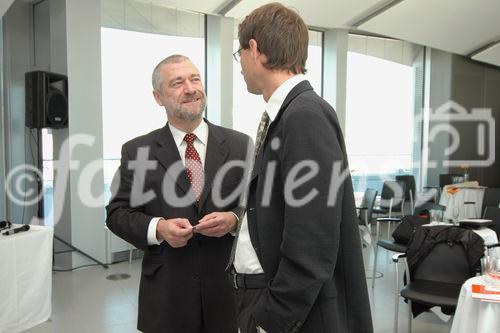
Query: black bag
x=404, y=231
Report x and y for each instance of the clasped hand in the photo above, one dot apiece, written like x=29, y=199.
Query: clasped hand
x=177, y=232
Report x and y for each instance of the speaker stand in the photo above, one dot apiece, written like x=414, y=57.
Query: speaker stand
x=73, y=248
x=40, y=210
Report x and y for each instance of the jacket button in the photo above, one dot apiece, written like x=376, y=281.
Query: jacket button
x=196, y=276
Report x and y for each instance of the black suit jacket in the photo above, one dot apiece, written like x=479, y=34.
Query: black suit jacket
x=310, y=252
x=181, y=289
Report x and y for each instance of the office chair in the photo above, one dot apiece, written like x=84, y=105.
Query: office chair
x=392, y=200
x=410, y=190
x=436, y=273
x=493, y=213
x=491, y=198
x=365, y=212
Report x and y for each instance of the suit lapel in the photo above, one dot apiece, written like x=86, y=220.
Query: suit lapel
x=167, y=153
x=217, y=153
x=296, y=91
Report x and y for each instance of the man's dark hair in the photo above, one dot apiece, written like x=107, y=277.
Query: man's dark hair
x=281, y=35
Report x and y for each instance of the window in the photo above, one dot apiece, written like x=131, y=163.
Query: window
x=379, y=114
x=248, y=108
x=135, y=36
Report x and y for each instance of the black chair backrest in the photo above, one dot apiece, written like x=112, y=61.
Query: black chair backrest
x=429, y=207
x=493, y=213
x=491, y=198
x=368, y=202
x=394, y=190
x=410, y=186
x=429, y=194
x=444, y=263
x=447, y=178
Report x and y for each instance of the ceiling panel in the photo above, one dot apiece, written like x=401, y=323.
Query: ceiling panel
x=490, y=55
x=458, y=26
x=319, y=13
x=205, y=6
x=4, y=6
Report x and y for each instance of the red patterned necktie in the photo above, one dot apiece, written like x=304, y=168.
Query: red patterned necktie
x=194, y=168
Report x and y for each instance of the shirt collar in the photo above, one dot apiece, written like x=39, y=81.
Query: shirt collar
x=278, y=97
x=201, y=133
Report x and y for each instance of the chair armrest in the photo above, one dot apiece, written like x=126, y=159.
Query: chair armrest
x=492, y=245
x=395, y=257
x=361, y=208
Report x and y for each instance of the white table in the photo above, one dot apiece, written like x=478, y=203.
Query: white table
x=474, y=315
x=25, y=279
x=464, y=194
x=490, y=237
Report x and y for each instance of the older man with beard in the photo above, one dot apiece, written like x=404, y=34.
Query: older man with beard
x=165, y=204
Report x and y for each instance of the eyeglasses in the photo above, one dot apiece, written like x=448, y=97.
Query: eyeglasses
x=237, y=55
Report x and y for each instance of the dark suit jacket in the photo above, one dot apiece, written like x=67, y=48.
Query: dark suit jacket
x=181, y=289
x=310, y=253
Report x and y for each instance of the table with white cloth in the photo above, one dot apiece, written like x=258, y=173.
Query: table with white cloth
x=458, y=200
x=474, y=315
x=26, y=278
x=490, y=238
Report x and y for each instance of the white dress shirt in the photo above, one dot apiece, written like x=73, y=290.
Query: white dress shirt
x=200, y=144
x=245, y=258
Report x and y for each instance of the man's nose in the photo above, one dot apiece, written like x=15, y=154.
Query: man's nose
x=189, y=88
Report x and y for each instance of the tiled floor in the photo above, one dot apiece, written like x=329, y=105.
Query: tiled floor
x=85, y=301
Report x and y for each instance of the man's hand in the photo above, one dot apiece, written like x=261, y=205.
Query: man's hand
x=216, y=224
x=175, y=232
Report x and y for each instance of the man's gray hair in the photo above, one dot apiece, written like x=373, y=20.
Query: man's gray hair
x=156, y=77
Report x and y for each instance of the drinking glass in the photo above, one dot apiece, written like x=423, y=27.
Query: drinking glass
x=492, y=272
x=456, y=214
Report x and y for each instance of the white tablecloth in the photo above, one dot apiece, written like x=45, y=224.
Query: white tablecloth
x=467, y=194
x=25, y=279
x=490, y=237
x=473, y=315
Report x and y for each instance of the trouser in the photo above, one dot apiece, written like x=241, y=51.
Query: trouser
x=246, y=299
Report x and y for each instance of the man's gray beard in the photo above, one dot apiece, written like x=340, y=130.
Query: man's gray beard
x=185, y=114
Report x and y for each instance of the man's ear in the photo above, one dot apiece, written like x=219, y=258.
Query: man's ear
x=156, y=95
x=254, y=49
x=257, y=56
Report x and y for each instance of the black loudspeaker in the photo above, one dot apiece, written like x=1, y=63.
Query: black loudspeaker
x=46, y=100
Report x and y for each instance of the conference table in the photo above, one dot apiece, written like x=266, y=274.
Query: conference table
x=26, y=279
x=475, y=315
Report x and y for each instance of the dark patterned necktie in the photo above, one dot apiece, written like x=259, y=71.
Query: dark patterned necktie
x=194, y=168
x=261, y=135
x=261, y=131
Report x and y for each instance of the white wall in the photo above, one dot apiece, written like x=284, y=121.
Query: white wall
x=4, y=6
x=219, y=55
x=83, y=38
x=335, y=71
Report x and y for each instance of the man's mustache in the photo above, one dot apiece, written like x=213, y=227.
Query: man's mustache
x=193, y=98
